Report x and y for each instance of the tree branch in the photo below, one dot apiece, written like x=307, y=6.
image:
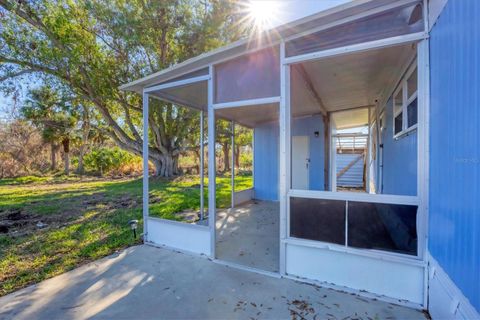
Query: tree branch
x=32, y=66
x=17, y=74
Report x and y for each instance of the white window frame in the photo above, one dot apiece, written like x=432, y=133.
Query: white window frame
x=406, y=100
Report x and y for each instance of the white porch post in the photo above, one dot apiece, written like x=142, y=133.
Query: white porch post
x=211, y=164
x=233, y=166
x=145, y=166
x=369, y=150
x=202, y=171
x=423, y=177
x=284, y=153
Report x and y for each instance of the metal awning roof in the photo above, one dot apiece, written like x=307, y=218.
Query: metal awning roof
x=333, y=16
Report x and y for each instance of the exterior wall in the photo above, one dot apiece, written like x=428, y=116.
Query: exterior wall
x=399, y=159
x=454, y=232
x=266, y=165
x=266, y=155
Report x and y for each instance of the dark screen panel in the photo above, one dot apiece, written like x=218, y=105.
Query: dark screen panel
x=318, y=219
x=389, y=227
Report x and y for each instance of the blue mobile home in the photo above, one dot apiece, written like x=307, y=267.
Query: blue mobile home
x=366, y=141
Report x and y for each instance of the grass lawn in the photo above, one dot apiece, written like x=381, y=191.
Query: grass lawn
x=83, y=220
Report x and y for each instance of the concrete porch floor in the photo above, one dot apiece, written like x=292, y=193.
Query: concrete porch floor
x=144, y=282
x=248, y=235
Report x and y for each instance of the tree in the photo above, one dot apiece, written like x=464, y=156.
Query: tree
x=21, y=149
x=55, y=116
x=95, y=46
x=243, y=137
x=224, y=139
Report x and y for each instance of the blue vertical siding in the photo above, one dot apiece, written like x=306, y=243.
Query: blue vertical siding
x=399, y=159
x=266, y=153
x=454, y=232
x=266, y=163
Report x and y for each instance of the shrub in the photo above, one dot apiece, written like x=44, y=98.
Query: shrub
x=111, y=160
x=246, y=160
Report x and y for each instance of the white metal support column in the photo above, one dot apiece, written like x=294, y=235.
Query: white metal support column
x=423, y=178
x=253, y=158
x=423, y=172
x=211, y=163
x=368, y=155
x=284, y=153
x=202, y=169
x=233, y=166
x=333, y=156
x=145, y=167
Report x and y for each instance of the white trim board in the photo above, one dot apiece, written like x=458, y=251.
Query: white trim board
x=246, y=103
x=175, y=84
x=359, y=47
x=445, y=299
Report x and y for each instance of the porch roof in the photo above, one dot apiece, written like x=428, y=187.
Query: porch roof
x=333, y=16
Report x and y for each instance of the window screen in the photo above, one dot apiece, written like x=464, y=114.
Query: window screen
x=412, y=83
x=412, y=113
x=398, y=123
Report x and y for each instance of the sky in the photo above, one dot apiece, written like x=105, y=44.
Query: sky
x=288, y=10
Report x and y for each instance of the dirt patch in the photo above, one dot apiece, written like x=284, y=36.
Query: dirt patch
x=14, y=219
x=94, y=199
x=124, y=202
x=16, y=214
x=17, y=222
x=188, y=216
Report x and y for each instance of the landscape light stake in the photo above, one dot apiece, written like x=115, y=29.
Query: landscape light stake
x=133, y=225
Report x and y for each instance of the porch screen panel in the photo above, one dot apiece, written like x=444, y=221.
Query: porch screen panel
x=251, y=76
x=318, y=219
x=382, y=226
x=396, y=22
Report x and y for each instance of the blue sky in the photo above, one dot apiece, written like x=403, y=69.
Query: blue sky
x=289, y=10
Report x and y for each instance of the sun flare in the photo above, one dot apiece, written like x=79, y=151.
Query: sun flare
x=263, y=13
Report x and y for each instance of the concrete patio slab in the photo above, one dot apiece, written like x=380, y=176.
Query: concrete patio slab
x=149, y=283
x=248, y=235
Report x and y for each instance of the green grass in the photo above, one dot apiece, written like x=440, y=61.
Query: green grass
x=87, y=220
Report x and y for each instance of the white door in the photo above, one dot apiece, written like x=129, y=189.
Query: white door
x=300, y=162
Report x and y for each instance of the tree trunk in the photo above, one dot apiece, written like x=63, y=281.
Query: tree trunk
x=197, y=160
x=67, y=163
x=53, y=156
x=226, y=157
x=237, y=156
x=66, y=151
x=165, y=165
x=81, y=153
x=83, y=146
